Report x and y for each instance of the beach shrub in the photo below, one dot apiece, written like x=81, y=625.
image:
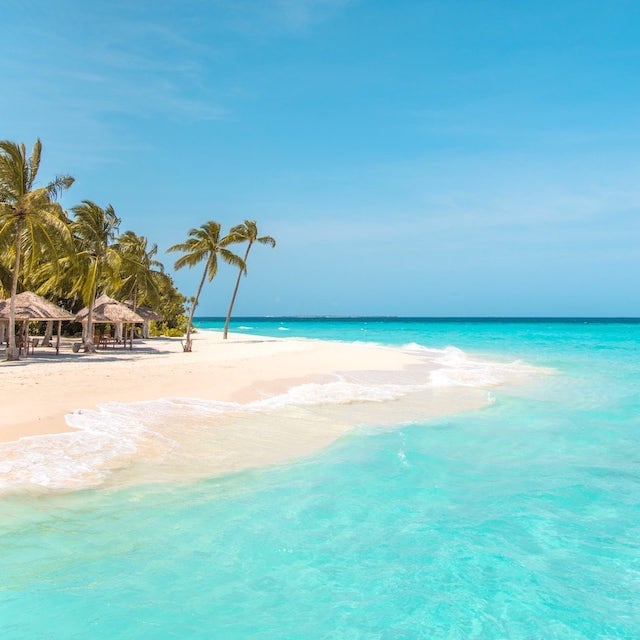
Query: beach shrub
x=164, y=329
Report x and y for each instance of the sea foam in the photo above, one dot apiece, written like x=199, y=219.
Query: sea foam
x=457, y=368
x=111, y=436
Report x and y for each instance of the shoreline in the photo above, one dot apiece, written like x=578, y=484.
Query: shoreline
x=156, y=414
x=39, y=391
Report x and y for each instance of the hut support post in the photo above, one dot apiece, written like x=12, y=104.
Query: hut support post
x=58, y=337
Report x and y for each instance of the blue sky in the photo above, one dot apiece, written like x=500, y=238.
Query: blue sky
x=411, y=157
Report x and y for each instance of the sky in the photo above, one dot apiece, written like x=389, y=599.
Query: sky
x=410, y=157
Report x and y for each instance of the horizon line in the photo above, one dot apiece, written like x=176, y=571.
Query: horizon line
x=396, y=317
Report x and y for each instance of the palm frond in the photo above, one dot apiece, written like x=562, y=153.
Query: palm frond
x=55, y=188
x=33, y=164
x=190, y=259
x=232, y=259
x=267, y=240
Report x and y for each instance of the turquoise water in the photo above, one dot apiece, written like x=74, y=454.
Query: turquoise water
x=520, y=520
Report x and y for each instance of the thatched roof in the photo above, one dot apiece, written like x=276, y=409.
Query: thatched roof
x=30, y=306
x=107, y=309
x=146, y=313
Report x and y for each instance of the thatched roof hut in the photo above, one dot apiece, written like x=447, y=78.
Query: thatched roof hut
x=108, y=310
x=148, y=315
x=30, y=306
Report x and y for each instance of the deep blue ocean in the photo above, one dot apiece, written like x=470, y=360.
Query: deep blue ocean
x=520, y=520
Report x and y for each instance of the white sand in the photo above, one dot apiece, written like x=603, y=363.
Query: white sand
x=39, y=391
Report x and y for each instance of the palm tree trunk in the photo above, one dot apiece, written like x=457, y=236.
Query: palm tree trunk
x=135, y=306
x=48, y=333
x=187, y=345
x=89, y=347
x=235, y=293
x=12, y=351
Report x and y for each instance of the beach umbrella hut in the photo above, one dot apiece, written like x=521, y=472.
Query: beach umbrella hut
x=32, y=307
x=148, y=315
x=106, y=310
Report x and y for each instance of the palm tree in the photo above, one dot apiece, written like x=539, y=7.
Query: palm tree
x=246, y=232
x=138, y=269
x=28, y=216
x=204, y=243
x=94, y=230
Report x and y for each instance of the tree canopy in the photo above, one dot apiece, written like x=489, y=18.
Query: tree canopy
x=71, y=258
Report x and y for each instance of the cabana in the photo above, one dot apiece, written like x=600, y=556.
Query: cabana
x=148, y=315
x=106, y=310
x=32, y=307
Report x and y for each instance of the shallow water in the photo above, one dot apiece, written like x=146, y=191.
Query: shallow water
x=518, y=520
x=177, y=439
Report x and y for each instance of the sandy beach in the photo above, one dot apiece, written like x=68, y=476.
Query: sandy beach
x=350, y=384
x=40, y=390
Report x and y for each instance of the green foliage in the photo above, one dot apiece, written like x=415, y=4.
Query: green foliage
x=71, y=260
x=171, y=304
x=163, y=328
x=205, y=244
x=138, y=270
x=95, y=261
x=33, y=227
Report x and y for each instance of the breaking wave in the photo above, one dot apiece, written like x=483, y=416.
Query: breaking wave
x=109, y=437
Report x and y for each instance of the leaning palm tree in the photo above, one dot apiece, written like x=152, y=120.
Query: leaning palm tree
x=246, y=232
x=29, y=217
x=204, y=243
x=94, y=230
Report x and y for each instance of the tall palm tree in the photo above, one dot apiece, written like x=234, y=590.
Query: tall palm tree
x=94, y=230
x=28, y=215
x=204, y=243
x=246, y=232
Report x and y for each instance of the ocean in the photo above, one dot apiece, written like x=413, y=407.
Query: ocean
x=519, y=520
